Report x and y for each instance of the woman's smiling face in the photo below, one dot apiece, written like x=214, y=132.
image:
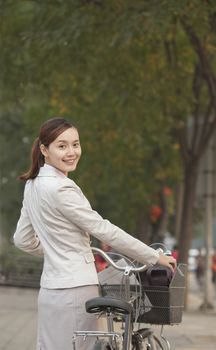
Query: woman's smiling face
x=64, y=152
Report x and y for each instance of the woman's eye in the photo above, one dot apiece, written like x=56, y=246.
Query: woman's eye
x=76, y=144
x=62, y=146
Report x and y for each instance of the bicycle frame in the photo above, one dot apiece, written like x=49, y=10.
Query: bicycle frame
x=112, y=336
x=127, y=271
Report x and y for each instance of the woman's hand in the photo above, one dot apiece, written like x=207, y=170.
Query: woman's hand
x=168, y=261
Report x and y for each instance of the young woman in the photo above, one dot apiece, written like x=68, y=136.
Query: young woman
x=56, y=222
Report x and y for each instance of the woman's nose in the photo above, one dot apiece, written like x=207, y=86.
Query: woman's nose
x=71, y=151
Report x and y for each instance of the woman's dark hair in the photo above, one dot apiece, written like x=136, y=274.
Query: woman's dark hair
x=49, y=131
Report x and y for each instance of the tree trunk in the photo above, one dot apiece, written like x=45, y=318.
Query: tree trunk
x=143, y=229
x=186, y=227
x=164, y=219
x=178, y=199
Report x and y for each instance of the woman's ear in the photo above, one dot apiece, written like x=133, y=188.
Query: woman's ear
x=43, y=150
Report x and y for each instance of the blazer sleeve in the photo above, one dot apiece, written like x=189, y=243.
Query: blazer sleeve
x=75, y=207
x=25, y=237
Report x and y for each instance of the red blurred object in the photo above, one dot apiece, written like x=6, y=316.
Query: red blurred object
x=156, y=212
x=167, y=191
x=175, y=254
x=100, y=263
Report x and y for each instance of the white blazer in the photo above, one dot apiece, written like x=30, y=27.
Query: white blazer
x=56, y=222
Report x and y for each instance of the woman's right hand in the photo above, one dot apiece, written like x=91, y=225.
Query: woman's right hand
x=168, y=261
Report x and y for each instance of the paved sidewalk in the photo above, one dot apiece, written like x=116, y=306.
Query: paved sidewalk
x=18, y=322
x=198, y=328
x=18, y=318
x=197, y=331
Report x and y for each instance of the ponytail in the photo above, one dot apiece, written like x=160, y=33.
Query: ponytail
x=37, y=160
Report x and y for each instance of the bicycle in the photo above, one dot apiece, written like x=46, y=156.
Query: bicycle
x=133, y=302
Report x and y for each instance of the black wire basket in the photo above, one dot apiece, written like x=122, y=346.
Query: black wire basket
x=154, y=303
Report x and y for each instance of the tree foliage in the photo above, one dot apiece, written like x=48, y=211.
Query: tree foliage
x=131, y=75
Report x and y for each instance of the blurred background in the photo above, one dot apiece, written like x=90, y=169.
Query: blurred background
x=138, y=78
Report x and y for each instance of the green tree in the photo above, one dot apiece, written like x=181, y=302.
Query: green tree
x=102, y=85
x=173, y=45
x=133, y=75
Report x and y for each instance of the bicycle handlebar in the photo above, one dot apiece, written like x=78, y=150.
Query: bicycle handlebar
x=127, y=269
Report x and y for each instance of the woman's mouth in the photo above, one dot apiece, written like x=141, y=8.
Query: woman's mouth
x=69, y=161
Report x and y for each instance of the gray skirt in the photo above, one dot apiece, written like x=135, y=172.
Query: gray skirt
x=61, y=312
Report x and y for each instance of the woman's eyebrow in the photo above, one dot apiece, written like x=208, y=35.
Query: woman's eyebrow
x=65, y=141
